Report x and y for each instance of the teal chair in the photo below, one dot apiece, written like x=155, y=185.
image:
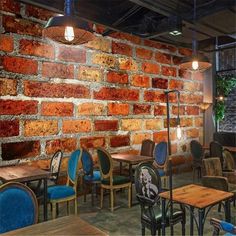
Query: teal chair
x=18, y=207
x=68, y=192
x=218, y=225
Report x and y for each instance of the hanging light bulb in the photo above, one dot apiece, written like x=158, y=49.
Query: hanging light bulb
x=69, y=33
x=178, y=132
x=195, y=65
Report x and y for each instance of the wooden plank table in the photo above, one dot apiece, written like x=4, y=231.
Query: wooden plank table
x=195, y=196
x=68, y=225
x=131, y=159
x=24, y=174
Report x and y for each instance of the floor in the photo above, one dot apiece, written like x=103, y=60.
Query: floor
x=125, y=221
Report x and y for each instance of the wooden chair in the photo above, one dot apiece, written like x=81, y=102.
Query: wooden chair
x=110, y=181
x=147, y=148
x=218, y=225
x=68, y=192
x=229, y=164
x=216, y=150
x=18, y=206
x=148, y=187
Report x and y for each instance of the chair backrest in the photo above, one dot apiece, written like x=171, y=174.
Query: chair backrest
x=72, y=169
x=87, y=162
x=160, y=154
x=105, y=163
x=18, y=206
x=147, y=148
x=196, y=150
x=147, y=184
x=228, y=160
x=55, y=165
x=212, y=166
x=222, y=225
x=216, y=150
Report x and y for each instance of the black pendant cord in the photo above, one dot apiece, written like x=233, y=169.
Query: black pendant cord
x=194, y=46
x=68, y=8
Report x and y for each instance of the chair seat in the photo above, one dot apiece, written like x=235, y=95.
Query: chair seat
x=96, y=176
x=117, y=179
x=60, y=191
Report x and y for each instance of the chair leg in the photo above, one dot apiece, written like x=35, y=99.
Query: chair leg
x=183, y=228
x=76, y=206
x=92, y=193
x=159, y=231
x=143, y=230
x=153, y=231
x=112, y=199
x=68, y=207
x=53, y=210
x=219, y=207
x=101, y=201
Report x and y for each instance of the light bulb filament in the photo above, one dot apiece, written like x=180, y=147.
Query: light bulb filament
x=69, y=33
x=195, y=65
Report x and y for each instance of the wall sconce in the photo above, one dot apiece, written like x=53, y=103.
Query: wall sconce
x=68, y=29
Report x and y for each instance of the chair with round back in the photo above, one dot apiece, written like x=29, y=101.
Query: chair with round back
x=197, y=153
x=148, y=187
x=18, y=207
x=229, y=164
x=91, y=176
x=216, y=150
x=147, y=148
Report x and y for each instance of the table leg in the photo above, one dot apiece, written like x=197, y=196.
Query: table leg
x=191, y=220
x=227, y=211
x=45, y=199
x=200, y=221
x=131, y=180
x=163, y=223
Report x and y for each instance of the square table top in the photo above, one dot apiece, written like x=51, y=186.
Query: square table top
x=197, y=196
x=22, y=173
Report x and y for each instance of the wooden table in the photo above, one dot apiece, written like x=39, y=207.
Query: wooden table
x=194, y=196
x=68, y=225
x=24, y=174
x=131, y=159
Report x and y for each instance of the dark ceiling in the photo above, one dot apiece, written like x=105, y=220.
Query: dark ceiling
x=154, y=19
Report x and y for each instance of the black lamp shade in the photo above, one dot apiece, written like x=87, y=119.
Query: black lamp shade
x=55, y=30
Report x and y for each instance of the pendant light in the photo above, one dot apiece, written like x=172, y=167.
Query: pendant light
x=196, y=62
x=68, y=29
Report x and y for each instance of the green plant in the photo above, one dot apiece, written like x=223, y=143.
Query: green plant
x=224, y=85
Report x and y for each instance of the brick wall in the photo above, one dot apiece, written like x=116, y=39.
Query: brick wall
x=107, y=93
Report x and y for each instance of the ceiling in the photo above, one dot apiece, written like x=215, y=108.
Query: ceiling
x=154, y=19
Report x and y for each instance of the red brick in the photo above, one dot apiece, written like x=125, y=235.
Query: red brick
x=40, y=127
x=76, y=126
x=99, y=43
x=21, y=26
x=185, y=51
x=191, y=98
x=119, y=141
x=160, y=136
x=151, y=68
x=9, y=128
x=127, y=64
x=118, y=109
x=154, y=96
x=121, y=48
x=159, y=110
x=106, y=125
x=141, y=109
x=131, y=124
x=168, y=71
x=175, y=110
x=103, y=59
x=89, y=108
x=17, y=107
x=154, y=124
x=92, y=142
x=10, y=6
x=160, y=83
x=117, y=77
x=57, y=70
x=143, y=53
x=71, y=54
x=90, y=73
x=36, y=48
x=140, y=81
x=163, y=58
x=158, y=45
x=117, y=94
x=99, y=29
x=138, y=138
x=172, y=122
x=39, y=13
x=66, y=145
x=192, y=133
x=44, y=89
x=177, y=60
x=186, y=122
x=185, y=74
x=20, y=65
x=176, y=84
x=198, y=121
x=57, y=108
x=192, y=110
x=6, y=43
x=20, y=150
x=125, y=36
x=8, y=87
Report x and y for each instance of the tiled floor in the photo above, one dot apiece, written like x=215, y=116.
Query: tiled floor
x=125, y=221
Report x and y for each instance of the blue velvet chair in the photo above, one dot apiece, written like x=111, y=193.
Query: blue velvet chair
x=18, y=207
x=161, y=156
x=68, y=192
x=218, y=225
x=91, y=177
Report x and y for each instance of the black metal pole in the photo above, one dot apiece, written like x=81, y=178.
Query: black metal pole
x=168, y=122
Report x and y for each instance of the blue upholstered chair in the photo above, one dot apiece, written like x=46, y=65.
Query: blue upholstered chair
x=68, y=192
x=18, y=207
x=110, y=181
x=224, y=226
x=160, y=155
x=91, y=177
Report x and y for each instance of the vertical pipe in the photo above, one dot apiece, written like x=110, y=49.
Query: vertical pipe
x=168, y=122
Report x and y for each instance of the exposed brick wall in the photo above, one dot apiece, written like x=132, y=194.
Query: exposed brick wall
x=107, y=93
